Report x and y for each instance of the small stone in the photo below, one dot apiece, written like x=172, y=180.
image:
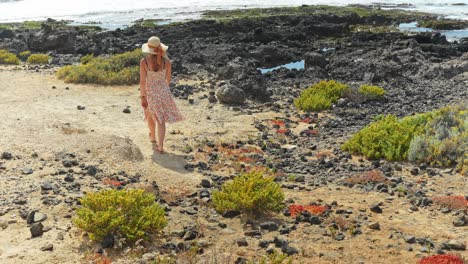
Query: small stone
x=3, y=224
x=108, y=241
x=80, y=107
x=374, y=226
x=39, y=217
x=222, y=225
x=270, y=226
x=242, y=242
x=7, y=156
x=37, y=230
x=340, y=237
x=376, y=208
x=455, y=245
x=410, y=239
x=27, y=171
x=253, y=233
x=461, y=220
x=190, y=235
x=127, y=111
x=231, y=214
x=69, y=178
x=205, y=183
x=46, y=186
x=288, y=250
x=48, y=247
x=414, y=171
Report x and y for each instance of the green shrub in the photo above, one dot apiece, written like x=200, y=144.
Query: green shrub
x=444, y=142
x=119, y=69
x=439, y=138
x=24, y=55
x=38, y=59
x=8, y=58
x=129, y=214
x=320, y=96
x=372, y=91
x=250, y=193
x=87, y=58
x=388, y=137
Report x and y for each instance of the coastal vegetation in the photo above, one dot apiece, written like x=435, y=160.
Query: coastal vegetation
x=438, y=138
x=24, y=55
x=372, y=91
x=129, y=214
x=8, y=58
x=443, y=24
x=321, y=96
x=38, y=59
x=306, y=10
x=251, y=193
x=120, y=69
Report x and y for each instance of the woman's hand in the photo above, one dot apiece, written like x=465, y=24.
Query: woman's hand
x=144, y=103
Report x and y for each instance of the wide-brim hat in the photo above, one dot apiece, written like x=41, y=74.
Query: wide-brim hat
x=152, y=45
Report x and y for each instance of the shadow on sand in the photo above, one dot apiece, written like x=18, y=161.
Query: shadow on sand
x=170, y=161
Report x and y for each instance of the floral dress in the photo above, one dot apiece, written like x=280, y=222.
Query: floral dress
x=161, y=105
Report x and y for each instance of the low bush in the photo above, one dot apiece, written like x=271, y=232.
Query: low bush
x=321, y=96
x=438, y=138
x=8, y=58
x=373, y=176
x=295, y=209
x=129, y=214
x=38, y=59
x=24, y=55
x=251, y=193
x=451, y=202
x=87, y=58
x=372, y=91
x=444, y=142
x=119, y=69
x=442, y=259
x=388, y=137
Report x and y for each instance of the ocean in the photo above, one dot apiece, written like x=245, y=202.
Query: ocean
x=120, y=13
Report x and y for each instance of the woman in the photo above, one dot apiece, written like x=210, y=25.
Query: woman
x=156, y=98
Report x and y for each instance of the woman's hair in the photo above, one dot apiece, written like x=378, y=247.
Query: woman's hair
x=159, y=58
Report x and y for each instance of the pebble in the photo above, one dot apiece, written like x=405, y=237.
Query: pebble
x=3, y=224
x=242, y=242
x=48, y=247
x=127, y=111
x=7, y=156
x=27, y=171
x=455, y=245
x=37, y=230
x=376, y=208
x=374, y=226
x=410, y=239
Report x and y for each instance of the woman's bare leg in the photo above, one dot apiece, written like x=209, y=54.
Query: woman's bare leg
x=152, y=128
x=161, y=135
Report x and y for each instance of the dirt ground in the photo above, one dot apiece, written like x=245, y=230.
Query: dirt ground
x=37, y=119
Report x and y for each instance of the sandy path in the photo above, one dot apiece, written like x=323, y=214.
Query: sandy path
x=34, y=118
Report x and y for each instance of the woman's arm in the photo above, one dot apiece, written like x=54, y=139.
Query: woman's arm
x=168, y=69
x=143, y=83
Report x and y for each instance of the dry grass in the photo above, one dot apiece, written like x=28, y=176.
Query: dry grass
x=373, y=176
x=72, y=130
x=451, y=202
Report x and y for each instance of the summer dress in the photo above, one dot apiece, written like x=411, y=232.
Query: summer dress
x=161, y=105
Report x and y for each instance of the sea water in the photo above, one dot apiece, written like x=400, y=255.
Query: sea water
x=112, y=14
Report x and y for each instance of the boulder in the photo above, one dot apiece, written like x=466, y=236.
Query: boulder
x=229, y=94
x=313, y=59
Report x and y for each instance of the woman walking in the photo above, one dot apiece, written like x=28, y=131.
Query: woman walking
x=156, y=98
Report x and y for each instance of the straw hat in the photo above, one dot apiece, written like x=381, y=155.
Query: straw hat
x=153, y=43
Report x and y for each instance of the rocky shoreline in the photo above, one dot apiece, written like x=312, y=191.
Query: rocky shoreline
x=420, y=72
